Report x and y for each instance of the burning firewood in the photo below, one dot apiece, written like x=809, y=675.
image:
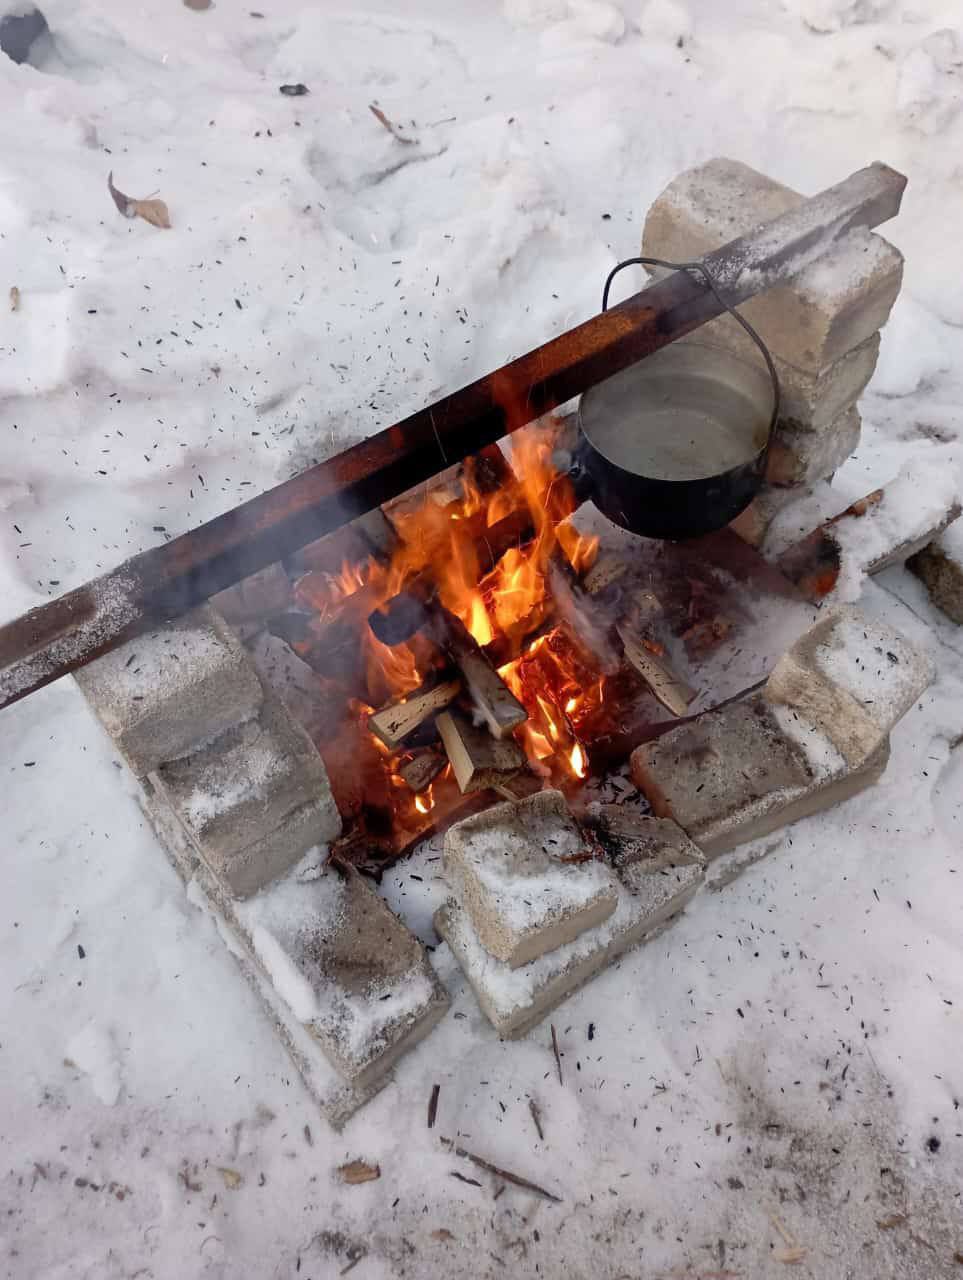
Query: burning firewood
x=477, y=759
x=404, y=613
x=495, y=702
x=392, y=724
x=421, y=770
x=673, y=692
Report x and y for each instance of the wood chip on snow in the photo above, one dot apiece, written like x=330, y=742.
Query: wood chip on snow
x=357, y=1171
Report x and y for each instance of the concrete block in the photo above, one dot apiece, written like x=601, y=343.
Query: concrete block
x=525, y=878
x=851, y=677
x=747, y=769
x=828, y=310
x=336, y=1098
x=253, y=800
x=814, y=401
x=253, y=600
x=654, y=885
x=803, y=457
x=939, y=566
x=348, y=969
x=161, y=695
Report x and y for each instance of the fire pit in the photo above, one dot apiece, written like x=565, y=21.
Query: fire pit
x=437, y=632
x=500, y=640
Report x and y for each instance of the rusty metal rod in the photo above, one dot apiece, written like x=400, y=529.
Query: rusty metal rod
x=165, y=581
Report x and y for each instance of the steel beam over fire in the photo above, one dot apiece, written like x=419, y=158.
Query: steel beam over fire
x=165, y=581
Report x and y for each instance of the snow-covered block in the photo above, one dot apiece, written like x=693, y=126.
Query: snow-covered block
x=655, y=881
x=346, y=966
x=852, y=678
x=916, y=507
x=336, y=1098
x=741, y=771
x=253, y=800
x=162, y=694
x=524, y=876
x=838, y=302
x=814, y=401
x=940, y=567
x=801, y=457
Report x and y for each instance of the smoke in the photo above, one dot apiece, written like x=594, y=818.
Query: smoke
x=586, y=619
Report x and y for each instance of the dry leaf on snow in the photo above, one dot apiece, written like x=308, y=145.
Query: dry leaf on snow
x=232, y=1179
x=152, y=210
x=356, y=1171
x=796, y=1253
x=383, y=120
x=14, y=298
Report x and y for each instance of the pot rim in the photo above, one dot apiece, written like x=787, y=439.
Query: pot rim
x=755, y=374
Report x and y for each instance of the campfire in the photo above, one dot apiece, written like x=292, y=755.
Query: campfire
x=488, y=646
x=452, y=650
x=570, y=621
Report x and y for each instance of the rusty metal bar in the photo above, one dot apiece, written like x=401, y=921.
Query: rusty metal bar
x=161, y=583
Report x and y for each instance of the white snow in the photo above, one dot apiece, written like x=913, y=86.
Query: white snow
x=92, y=1051
x=917, y=500
x=138, y=400
x=951, y=541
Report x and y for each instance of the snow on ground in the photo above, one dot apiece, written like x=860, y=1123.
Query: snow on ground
x=790, y=1052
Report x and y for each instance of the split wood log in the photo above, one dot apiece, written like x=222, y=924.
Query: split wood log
x=607, y=573
x=491, y=696
x=421, y=770
x=392, y=724
x=167, y=580
x=477, y=759
x=647, y=609
x=673, y=692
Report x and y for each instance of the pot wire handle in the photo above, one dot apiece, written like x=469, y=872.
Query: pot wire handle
x=701, y=269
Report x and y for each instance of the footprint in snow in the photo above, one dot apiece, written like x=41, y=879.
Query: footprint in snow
x=92, y=1051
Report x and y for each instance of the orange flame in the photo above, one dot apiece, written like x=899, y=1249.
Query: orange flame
x=551, y=682
x=444, y=537
x=425, y=802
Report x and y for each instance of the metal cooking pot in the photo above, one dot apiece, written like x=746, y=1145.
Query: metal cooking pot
x=676, y=445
